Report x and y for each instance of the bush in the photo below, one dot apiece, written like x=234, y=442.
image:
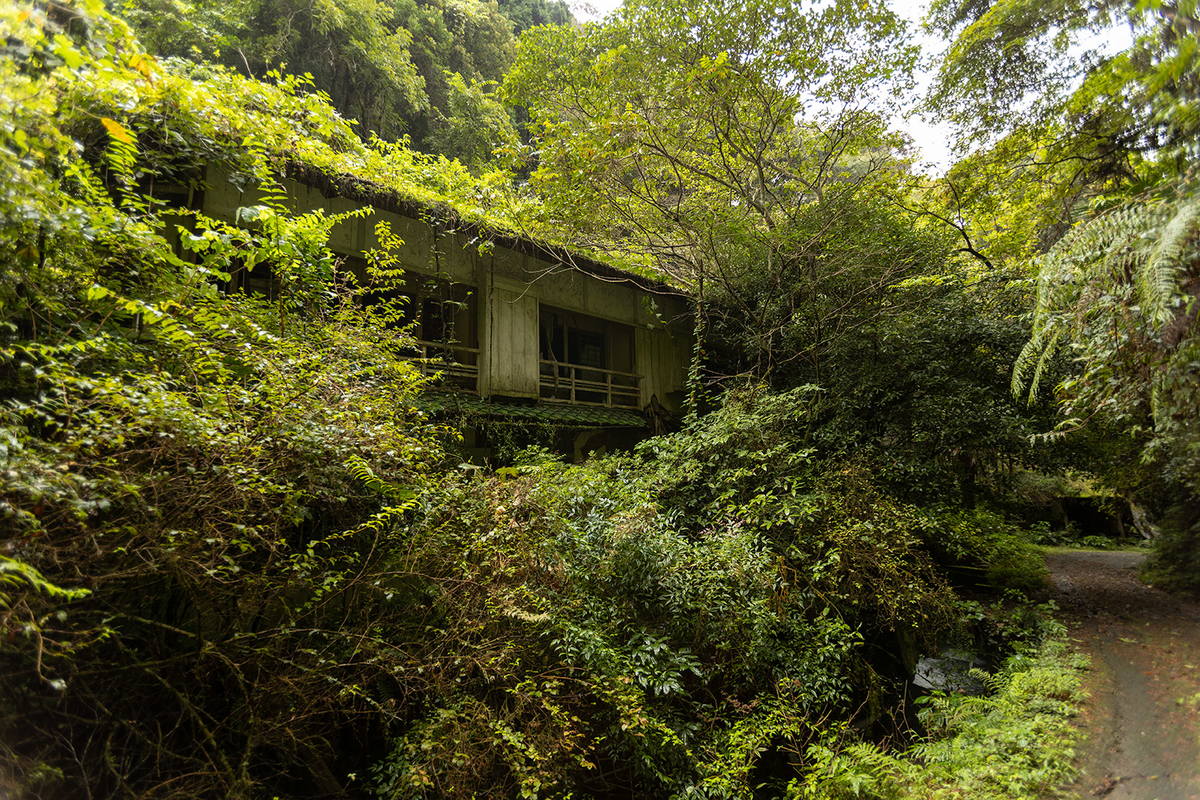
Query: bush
x=1014, y=744
x=1097, y=542
x=993, y=549
x=685, y=619
x=196, y=486
x=572, y=632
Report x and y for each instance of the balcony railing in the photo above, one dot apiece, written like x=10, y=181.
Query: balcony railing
x=459, y=365
x=572, y=383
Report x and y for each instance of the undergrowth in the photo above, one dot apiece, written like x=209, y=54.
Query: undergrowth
x=1014, y=743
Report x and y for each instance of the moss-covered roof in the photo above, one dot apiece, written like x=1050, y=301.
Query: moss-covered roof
x=558, y=414
x=384, y=198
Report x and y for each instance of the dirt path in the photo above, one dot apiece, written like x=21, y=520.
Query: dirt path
x=1142, y=722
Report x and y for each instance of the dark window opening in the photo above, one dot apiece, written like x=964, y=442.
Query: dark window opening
x=445, y=322
x=586, y=359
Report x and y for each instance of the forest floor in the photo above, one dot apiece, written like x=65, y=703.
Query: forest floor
x=1141, y=723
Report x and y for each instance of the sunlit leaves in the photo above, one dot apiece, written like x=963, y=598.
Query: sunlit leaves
x=117, y=130
x=696, y=134
x=1016, y=65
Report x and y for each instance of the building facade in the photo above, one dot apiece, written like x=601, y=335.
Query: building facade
x=518, y=331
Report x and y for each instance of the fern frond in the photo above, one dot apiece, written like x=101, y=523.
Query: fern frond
x=1159, y=277
x=1131, y=257
x=361, y=470
x=18, y=575
x=1046, y=333
x=387, y=516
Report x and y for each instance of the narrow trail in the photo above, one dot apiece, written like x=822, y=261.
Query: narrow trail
x=1142, y=721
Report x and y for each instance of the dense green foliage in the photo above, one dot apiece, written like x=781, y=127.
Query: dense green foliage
x=679, y=621
x=397, y=68
x=1014, y=744
x=237, y=561
x=1121, y=290
x=696, y=150
x=1090, y=118
x=1055, y=106
x=208, y=474
x=526, y=14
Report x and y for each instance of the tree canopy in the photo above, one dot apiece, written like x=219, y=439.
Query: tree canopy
x=397, y=68
x=1056, y=106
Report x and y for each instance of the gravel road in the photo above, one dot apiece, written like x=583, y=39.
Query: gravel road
x=1142, y=722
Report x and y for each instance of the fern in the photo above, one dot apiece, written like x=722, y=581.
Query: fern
x=1160, y=277
x=16, y=575
x=361, y=470
x=1113, y=284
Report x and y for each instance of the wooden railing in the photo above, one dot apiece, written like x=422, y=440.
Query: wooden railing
x=458, y=364
x=572, y=383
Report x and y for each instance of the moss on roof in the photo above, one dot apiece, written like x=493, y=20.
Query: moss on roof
x=387, y=198
x=184, y=114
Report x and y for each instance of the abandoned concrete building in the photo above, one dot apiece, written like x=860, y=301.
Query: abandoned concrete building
x=521, y=334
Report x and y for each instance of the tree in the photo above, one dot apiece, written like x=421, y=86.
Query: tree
x=1049, y=117
x=718, y=142
x=384, y=63
x=356, y=50
x=1084, y=162
x=1046, y=68
x=1122, y=291
x=1001, y=204
x=474, y=127
x=525, y=14
x=921, y=387
x=472, y=40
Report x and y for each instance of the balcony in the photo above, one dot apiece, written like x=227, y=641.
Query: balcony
x=580, y=385
x=458, y=365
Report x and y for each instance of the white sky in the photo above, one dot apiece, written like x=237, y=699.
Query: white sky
x=933, y=141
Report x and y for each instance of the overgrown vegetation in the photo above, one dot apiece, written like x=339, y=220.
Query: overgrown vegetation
x=1133, y=271
x=236, y=559
x=1016, y=742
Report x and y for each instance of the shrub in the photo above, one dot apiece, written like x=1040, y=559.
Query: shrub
x=984, y=542
x=1016, y=743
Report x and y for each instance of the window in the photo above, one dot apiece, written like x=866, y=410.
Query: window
x=586, y=359
x=446, y=325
